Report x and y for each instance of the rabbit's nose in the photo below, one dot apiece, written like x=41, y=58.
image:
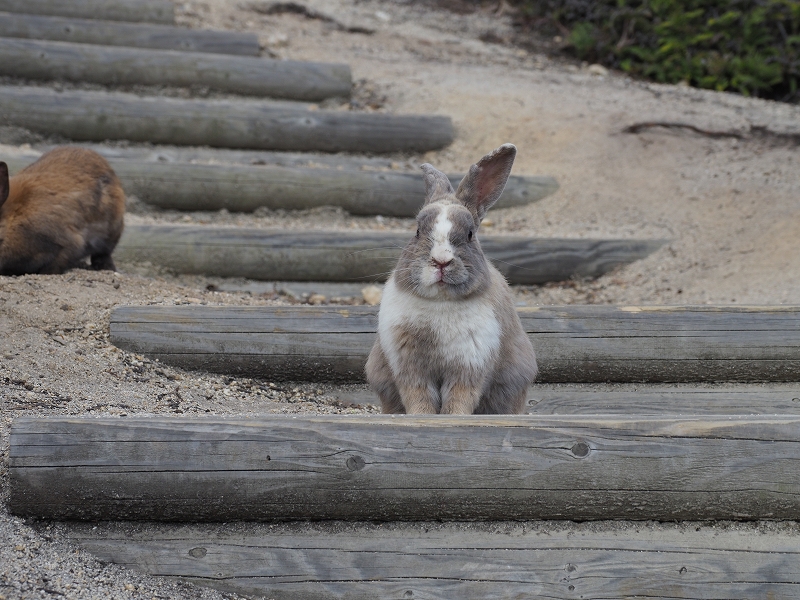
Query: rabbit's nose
x=441, y=264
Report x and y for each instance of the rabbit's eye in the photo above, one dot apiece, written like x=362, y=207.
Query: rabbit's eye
x=469, y=235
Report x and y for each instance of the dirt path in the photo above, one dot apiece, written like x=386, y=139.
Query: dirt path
x=729, y=206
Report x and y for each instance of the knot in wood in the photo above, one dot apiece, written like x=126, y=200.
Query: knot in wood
x=198, y=552
x=355, y=463
x=580, y=449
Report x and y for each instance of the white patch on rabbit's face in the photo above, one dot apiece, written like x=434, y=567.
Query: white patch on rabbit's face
x=442, y=250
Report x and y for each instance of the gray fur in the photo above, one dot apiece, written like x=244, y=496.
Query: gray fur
x=469, y=272
x=424, y=381
x=437, y=184
x=484, y=183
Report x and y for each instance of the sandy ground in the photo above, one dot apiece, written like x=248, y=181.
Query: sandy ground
x=729, y=207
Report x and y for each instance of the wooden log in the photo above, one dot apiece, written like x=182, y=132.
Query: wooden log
x=97, y=116
x=271, y=254
x=469, y=561
x=390, y=468
x=205, y=155
x=637, y=399
x=117, y=65
x=572, y=343
x=237, y=188
x=151, y=11
x=120, y=33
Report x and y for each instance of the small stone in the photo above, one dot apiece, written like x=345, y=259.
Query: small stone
x=598, y=70
x=316, y=299
x=487, y=223
x=130, y=587
x=372, y=295
x=278, y=40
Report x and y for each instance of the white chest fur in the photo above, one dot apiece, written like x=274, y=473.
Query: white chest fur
x=465, y=332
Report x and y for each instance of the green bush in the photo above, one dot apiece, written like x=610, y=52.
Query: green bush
x=748, y=46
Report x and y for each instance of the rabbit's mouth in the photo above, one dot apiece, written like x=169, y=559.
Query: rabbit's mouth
x=446, y=283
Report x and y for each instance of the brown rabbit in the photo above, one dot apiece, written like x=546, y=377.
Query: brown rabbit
x=66, y=206
x=449, y=338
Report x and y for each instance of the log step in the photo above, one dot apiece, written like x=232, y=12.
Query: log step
x=466, y=561
x=271, y=254
x=243, y=188
x=193, y=154
x=151, y=11
x=395, y=468
x=637, y=399
x=117, y=65
x=573, y=343
x=254, y=124
x=119, y=33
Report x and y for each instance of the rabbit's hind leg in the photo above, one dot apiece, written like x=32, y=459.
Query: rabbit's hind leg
x=381, y=381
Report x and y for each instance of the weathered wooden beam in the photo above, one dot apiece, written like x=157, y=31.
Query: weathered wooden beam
x=117, y=65
x=270, y=254
x=637, y=399
x=389, y=468
x=257, y=124
x=120, y=33
x=194, y=154
x=151, y=11
x=573, y=343
x=240, y=188
x=237, y=188
x=470, y=561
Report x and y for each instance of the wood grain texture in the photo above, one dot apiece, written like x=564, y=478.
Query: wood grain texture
x=255, y=124
x=466, y=561
x=117, y=65
x=194, y=154
x=389, y=468
x=240, y=188
x=120, y=33
x=151, y=11
x=271, y=254
x=573, y=343
x=237, y=188
x=638, y=399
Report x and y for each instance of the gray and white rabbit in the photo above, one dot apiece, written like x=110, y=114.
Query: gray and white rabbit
x=449, y=338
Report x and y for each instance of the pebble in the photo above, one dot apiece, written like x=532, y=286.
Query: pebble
x=372, y=295
x=598, y=70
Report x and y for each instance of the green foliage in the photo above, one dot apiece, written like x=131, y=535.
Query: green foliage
x=748, y=46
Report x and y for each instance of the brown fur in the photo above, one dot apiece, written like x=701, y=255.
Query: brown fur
x=425, y=378
x=65, y=207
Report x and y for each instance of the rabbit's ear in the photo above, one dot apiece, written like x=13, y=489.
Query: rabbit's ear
x=437, y=184
x=484, y=183
x=4, y=185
